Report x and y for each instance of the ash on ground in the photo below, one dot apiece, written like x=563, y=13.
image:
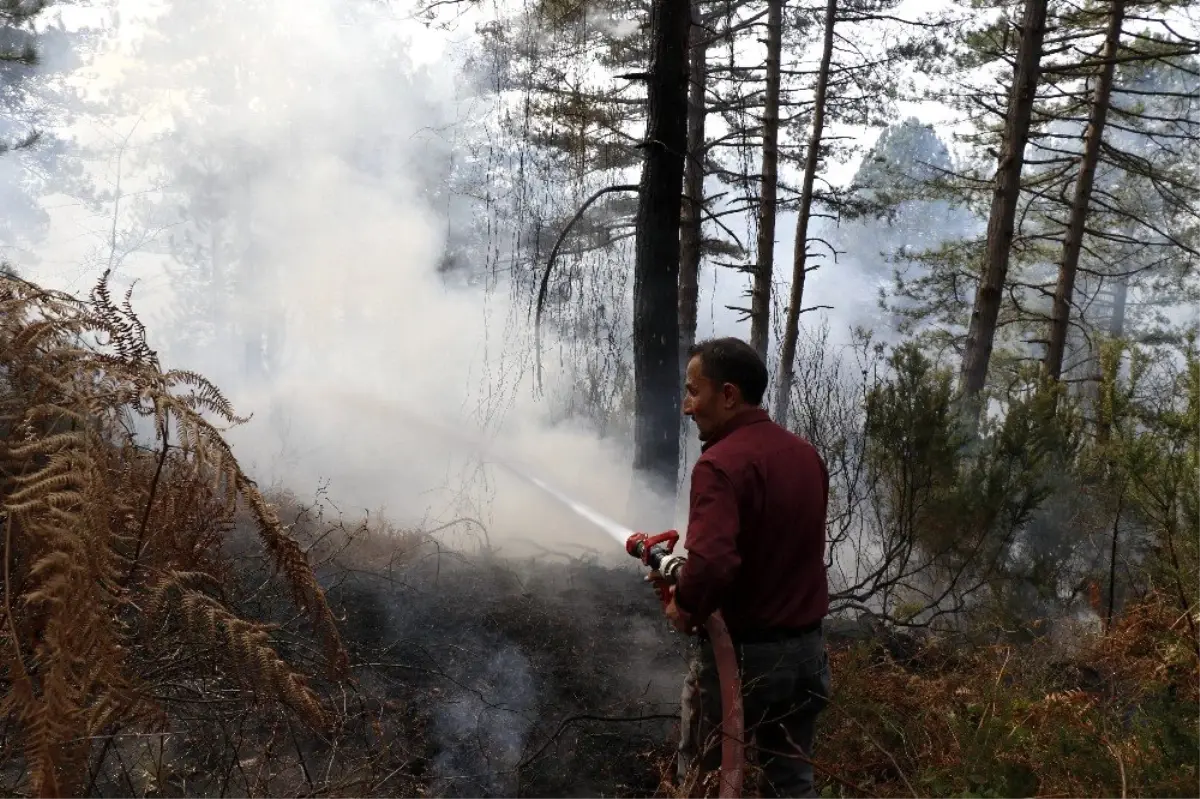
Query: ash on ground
x=514, y=678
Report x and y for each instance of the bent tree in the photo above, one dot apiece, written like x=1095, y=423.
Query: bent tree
x=1093, y=138
x=1006, y=193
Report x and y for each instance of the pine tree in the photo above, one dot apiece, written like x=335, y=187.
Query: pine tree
x=1073, y=239
x=984, y=316
x=1137, y=213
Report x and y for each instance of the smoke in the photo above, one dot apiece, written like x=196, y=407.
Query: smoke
x=283, y=202
x=485, y=725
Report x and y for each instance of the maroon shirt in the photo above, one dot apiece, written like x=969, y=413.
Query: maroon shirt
x=756, y=529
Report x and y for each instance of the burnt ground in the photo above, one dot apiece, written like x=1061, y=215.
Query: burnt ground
x=515, y=678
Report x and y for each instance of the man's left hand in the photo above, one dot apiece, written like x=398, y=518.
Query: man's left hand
x=680, y=620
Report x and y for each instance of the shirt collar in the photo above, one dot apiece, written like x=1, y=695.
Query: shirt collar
x=748, y=416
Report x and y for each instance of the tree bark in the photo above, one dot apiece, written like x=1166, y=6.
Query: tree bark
x=1064, y=291
x=693, y=188
x=982, y=330
x=656, y=266
x=760, y=291
x=791, y=332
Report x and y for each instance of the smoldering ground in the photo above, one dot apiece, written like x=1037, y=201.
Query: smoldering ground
x=552, y=679
x=471, y=676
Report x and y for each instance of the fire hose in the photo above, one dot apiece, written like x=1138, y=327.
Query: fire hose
x=658, y=553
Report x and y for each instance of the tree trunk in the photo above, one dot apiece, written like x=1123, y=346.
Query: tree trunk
x=1116, y=321
x=791, y=332
x=982, y=330
x=656, y=267
x=1112, y=562
x=760, y=291
x=1116, y=329
x=1064, y=291
x=693, y=189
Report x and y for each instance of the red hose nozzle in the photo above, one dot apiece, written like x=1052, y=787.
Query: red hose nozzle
x=639, y=544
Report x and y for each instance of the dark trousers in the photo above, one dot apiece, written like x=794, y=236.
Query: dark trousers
x=785, y=686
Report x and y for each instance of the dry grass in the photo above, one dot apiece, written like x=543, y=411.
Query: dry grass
x=1118, y=719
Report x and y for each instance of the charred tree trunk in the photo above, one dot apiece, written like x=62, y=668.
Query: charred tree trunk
x=760, y=291
x=982, y=330
x=791, y=332
x=1064, y=291
x=656, y=267
x=693, y=188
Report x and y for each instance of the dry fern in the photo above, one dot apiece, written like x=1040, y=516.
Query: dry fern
x=245, y=645
x=105, y=538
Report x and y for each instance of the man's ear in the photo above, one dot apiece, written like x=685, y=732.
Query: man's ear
x=730, y=394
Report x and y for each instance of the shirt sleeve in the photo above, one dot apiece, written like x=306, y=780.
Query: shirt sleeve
x=712, y=554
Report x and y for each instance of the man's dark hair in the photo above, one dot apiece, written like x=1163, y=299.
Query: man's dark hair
x=731, y=360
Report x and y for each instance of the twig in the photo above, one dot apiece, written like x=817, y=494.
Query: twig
x=995, y=689
x=391, y=774
x=8, y=611
x=99, y=764
x=300, y=756
x=799, y=754
x=141, y=539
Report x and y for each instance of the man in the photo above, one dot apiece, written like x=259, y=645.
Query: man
x=756, y=552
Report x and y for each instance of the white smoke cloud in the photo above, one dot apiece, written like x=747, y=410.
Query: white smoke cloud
x=297, y=154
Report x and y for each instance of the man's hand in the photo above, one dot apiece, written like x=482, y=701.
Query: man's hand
x=680, y=620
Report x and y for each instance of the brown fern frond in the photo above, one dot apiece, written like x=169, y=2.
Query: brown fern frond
x=172, y=585
x=56, y=413
x=291, y=560
x=204, y=395
x=126, y=332
x=110, y=544
x=249, y=647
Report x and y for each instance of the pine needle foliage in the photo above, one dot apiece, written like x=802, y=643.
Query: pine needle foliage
x=113, y=569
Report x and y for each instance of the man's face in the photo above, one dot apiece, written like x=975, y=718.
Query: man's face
x=709, y=403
